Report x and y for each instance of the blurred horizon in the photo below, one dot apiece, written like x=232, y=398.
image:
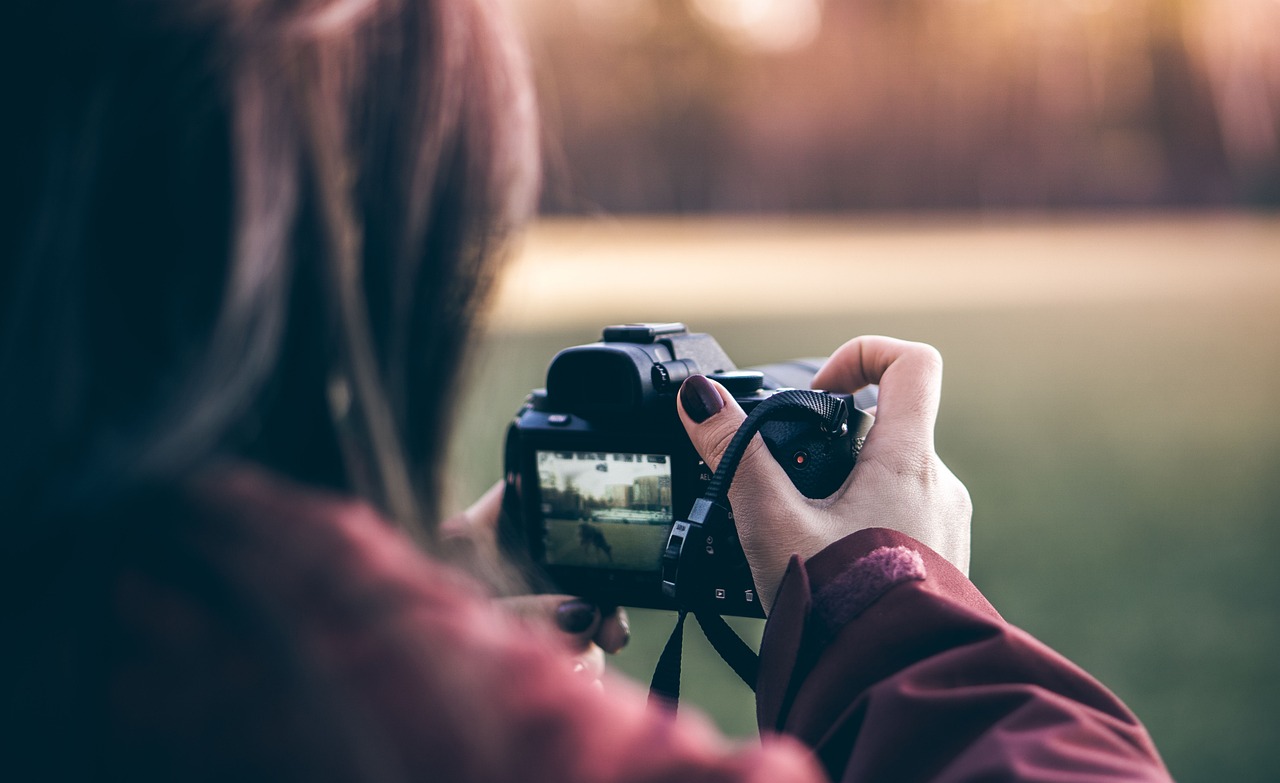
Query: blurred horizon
x=786, y=106
x=568, y=271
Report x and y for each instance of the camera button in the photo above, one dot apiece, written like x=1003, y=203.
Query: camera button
x=558, y=420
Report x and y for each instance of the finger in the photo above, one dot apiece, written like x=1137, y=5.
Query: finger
x=761, y=492
x=614, y=631
x=483, y=514
x=711, y=417
x=590, y=663
x=480, y=521
x=910, y=378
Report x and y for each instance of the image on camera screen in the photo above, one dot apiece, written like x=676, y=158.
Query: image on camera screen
x=605, y=510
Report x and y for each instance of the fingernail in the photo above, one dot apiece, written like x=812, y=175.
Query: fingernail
x=700, y=399
x=575, y=616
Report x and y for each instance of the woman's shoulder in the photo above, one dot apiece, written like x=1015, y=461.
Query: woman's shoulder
x=310, y=549
x=245, y=594
x=252, y=498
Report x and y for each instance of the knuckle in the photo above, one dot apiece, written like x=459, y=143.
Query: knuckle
x=952, y=491
x=966, y=500
x=718, y=443
x=963, y=501
x=914, y=464
x=927, y=356
x=718, y=440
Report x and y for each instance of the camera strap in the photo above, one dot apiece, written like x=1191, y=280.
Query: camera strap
x=832, y=415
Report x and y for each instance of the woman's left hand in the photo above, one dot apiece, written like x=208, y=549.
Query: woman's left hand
x=587, y=630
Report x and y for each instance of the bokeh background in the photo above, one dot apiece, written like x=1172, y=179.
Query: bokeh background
x=1075, y=200
x=803, y=105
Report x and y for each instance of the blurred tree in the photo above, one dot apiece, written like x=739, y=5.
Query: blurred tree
x=689, y=106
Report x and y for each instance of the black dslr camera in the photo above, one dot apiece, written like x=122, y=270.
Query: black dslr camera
x=598, y=467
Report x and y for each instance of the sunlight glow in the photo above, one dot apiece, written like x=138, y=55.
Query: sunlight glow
x=765, y=25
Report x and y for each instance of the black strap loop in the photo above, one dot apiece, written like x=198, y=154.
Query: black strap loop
x=735, y=652
x=664, y=688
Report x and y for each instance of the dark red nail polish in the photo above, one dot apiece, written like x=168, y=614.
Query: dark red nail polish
x=700, y=399
x=575, y=616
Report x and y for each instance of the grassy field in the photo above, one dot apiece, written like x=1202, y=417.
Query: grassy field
x=1110, y=401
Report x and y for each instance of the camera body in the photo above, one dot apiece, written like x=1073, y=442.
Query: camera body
x=599, y=468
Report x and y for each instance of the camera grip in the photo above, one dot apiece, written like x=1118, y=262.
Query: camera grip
x=816, y=463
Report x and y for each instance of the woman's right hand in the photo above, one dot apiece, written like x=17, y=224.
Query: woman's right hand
x=899, y=482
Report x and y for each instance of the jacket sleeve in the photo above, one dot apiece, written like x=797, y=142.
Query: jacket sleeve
x=889, y=663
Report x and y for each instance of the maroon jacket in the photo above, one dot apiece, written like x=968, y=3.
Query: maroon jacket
x=286, y=634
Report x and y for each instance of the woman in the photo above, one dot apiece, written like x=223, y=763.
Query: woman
x=245, y=241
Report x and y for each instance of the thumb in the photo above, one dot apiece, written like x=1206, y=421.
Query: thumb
x=711, y=417
x=761, y=494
